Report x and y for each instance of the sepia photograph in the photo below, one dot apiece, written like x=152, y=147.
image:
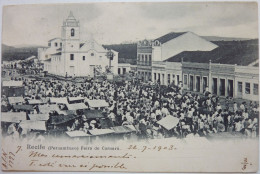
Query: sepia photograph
x=130, y=87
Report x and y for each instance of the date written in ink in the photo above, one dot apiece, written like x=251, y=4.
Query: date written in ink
x=8, y=158
x=245, y=163
x=152, y=148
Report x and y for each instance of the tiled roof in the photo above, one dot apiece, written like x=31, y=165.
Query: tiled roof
x=169, y=36
x=228, y=52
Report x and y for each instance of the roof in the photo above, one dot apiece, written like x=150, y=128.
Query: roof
x=97, y=103
x=76, y=98
x=38, y=117
x=34, y=102
x=76, y=106
x=228, y=52
x=60, y=119
x=56, y=54
x=54, y=39
x=45, y=109
x=101, y=131
x=36, y=125
x=14, y=100
x=169, y=36
x=126, y=52
x=77, y=133
x=93, y=114
x=23, y=107
x=62, y=100
x=13, y=117
x=168, y=122
x=13, y=83
x=121, y=129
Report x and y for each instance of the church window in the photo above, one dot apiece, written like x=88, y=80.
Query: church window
x=72, y=32
x=92, y=54
x=56, y=44
x=49, y=44
x=60, y=44
x=83, y=58
x=71, y=56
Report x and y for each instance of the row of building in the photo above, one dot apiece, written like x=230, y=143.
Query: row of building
x=225, y=68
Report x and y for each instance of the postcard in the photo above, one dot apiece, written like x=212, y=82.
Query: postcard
x=130, y=87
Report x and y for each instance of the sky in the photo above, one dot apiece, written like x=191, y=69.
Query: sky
x=113, y=23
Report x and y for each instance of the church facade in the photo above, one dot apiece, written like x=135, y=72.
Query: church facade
x=68, y=56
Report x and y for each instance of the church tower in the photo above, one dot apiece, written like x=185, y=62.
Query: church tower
x=70, y=37
x=70, y=34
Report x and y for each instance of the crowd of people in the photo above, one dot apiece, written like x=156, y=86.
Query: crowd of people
x=143, y=105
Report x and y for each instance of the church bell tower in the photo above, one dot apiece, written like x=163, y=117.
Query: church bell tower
x=70, y=34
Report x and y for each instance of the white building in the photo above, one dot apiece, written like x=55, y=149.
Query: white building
x=68, y=56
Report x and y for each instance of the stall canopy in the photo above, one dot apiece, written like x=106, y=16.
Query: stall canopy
x=44, y=109
x=15, y=100
x=92, y=114
x=39, y=117
x=60, y=119
x=35, y=102
x=76, y=99
x=76, y=106
x=36, y=125
x=23, y=107
x=121, y=129
x=62, y=100
x=13, y=117
x=168, y=122
x=12, y=83
x=97, y=103
x=77, y=134
x=101, y=131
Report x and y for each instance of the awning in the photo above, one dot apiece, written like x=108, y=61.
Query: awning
x=77, y=134
x=97, y=103
x=36, y=125
x=13, y=83
x=121, y=129
x=92, y=114
x=38, y=117
x=60, y=119
x=76, y=106
x=62, y=100
x=168, y=122
x=35, y=102
x=45, y=109
x=14, y=100
x=101, y=131
x=13, y=117
x=76, y=99
x=23, y=107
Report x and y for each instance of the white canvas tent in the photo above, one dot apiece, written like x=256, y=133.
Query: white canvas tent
x=39, y=117
x=97, y=103
x=15, y=100
x=61, y=100
x=101, y=131
x=13, y=117
x=36, y=125
x=12, y=83
x=77, y=134
x=168, y=122
x=76, y=106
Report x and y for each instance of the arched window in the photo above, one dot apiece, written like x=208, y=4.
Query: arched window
x=72, y=32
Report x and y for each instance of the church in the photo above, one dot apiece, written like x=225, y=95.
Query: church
x=68, y=56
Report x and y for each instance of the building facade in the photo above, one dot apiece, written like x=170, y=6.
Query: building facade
x=68, y=56
x=165, y=47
